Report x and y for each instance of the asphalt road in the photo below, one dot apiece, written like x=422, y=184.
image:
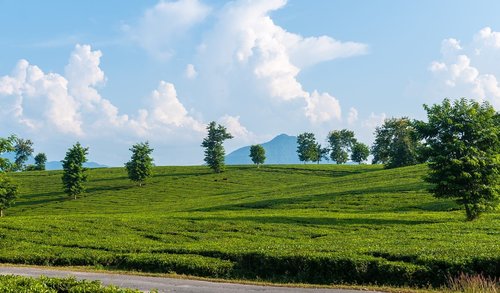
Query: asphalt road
x=161, y=284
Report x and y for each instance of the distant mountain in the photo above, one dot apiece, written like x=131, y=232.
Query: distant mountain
x=52, y=165
x=280, y=150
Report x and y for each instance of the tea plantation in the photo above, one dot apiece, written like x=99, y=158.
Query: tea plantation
x=303, y=223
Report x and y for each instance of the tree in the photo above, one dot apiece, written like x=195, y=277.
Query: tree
x=6, y=145
x=258, y=154
x=320, y=154
x=397, y=143
x=23, y=149
x=74, y=175
x=307, y=147
x=341, y=143
x=214, y=150
x=40, y=160
x=8, y=193
x=462, y=142
x=141, y=163
x=360, y=152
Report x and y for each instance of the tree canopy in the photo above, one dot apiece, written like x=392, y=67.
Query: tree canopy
x=8, y=193
x=74, y=175
x=257, y=154
x=6, y=145
x=397, y=143
x=23, y=149
x=213, y=144
x=341, y=142
x=462, y=143
x=307, y=147
x=360, y=152
x=140, y=166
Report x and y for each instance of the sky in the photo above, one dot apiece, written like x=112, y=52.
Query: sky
x=113, y=73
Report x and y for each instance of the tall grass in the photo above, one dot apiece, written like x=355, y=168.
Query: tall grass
x=474, y=284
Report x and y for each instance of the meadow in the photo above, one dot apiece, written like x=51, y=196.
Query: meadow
x=319, y=224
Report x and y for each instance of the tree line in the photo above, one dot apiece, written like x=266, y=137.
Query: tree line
x=460, y=142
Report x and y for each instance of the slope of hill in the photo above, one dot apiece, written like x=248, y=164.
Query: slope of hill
x=289, y=223
x=280, y=150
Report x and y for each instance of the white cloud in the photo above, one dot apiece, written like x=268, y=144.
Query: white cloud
x=233, y=126
x=352, y=116
x=160, y=26
x=374, y=120
x=246, y=40
x=470, y=70
x=322, y=107
x=190, y=71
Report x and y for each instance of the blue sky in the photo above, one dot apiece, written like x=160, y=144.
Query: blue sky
x=112, y=73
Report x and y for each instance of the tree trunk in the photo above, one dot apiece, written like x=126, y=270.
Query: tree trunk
x=258, y=166
x=75, y=196
x=1, y=213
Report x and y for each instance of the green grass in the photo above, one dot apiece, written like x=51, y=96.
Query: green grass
x=304, y=223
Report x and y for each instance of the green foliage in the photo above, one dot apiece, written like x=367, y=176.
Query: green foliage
x=285, y=223
x=40, y=160
x=8, y=193
x=397, y=144
x=6, y=145
x=463, y=147
x=214, y=150
x=307, y=147
x=360, y=152
x=341, y=142
x=258, y=154
x=74, y=176
x=18, y=284
x=320, y=154
x=23, y=149
x=141, y=164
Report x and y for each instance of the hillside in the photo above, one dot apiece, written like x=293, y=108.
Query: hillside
x=314, y=224
x=280, y=150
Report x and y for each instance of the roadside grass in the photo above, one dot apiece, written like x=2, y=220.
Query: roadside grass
x=319, y=224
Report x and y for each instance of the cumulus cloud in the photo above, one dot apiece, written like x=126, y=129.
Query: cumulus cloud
x=470, y=70
x=233, y=126
x=165, y=23
x=322, y=107
x=246, y=42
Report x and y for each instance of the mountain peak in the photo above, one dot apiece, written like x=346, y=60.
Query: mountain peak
x=282, y=149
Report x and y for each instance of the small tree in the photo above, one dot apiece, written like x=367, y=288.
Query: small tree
x=74, y=175
x=8, y=193
x=23, y=149
x=307, y=147
x=341, y=143
x=213, y=144
x=141, y=163
x=462, y=142
x=6, y=145
x=258, y=154
x=360, y=152
x=321, y=153
x=40, y=160
x=397, y=144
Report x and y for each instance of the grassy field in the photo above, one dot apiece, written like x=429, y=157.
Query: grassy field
x=304, y=223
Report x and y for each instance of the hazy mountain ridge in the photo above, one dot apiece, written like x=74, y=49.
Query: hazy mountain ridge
x=52, y=165
x=280, y=150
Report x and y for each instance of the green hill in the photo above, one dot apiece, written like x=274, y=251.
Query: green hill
x=297, y=223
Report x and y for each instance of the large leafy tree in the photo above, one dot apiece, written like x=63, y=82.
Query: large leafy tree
x=321, y=153
x=397, y=143
x=360, y=152
x=257, y=154
x=74, y=176
x=23, y=149
x=462, y=143
x=141, y=163
x=213, y=144
x=40, y=160
x=307, y=147
x=341, y=142
x=8, y=193
x=6, y=145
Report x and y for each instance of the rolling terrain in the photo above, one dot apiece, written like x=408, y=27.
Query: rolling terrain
x=290, y=223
